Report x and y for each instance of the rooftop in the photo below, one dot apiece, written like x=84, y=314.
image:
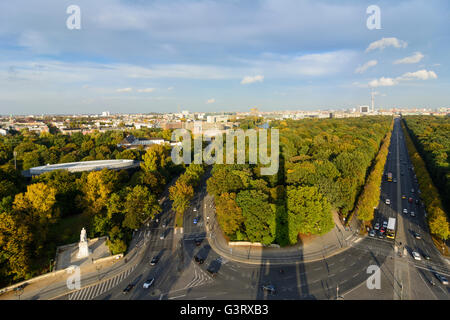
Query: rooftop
x=83, y=166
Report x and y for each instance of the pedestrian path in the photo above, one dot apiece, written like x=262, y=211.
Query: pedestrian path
x=91, y=292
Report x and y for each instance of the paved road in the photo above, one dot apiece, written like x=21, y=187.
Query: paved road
x=409, y=271
x=178, y=276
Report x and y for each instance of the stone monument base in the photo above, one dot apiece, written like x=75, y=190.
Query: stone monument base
x=68, y=255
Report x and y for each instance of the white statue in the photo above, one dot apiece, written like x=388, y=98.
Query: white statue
x=83, y=237
x=83, y=248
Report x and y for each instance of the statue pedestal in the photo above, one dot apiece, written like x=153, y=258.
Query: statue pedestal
x=83, y=250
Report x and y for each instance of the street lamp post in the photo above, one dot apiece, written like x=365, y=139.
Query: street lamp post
x=18, y=291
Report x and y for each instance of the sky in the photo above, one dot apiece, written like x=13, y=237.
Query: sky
x=136, y=56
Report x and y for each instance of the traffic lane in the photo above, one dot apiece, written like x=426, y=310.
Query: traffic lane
x=344, y=269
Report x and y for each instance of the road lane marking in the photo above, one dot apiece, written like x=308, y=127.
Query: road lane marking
x=177, y=297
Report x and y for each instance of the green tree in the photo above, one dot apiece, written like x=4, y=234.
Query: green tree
x=308, y=212
x=140, y=205
x=259, y=216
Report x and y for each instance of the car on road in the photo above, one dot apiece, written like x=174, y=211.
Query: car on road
x=417, y=235
x=383, y=230
x=395, y=180
x=385, y=224
x=199, y=259
x=148, y=283
x=154, y=260
x=377, y=226
x=412, y=190
x=195, y=209
x=269, y=288
x=198, y=241
x=214, y=267
x=162, y=236
x=410, y=200
x=441, y=278
x=388, y=201
x=403, y=197
x=405, y=210
x=416, y=255
x=372, y=233
x=417, y=201
x=427, y=257
x=413, y=214
x=128, y=288
x=195, y=220
x=380, y=235
x=164, y=224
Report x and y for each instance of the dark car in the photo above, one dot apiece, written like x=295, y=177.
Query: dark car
x=199, y=259
x=128, y=288
x=441, y=278
x=154, y=260
x=198, y=241
x=380, y=235
x=214, y=267
x=417, y=235
x=427, y=257
x=269, y=288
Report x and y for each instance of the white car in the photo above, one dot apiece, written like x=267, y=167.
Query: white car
x=385, y=223
x=148, y=283
x=388, y=201
x=405, y=210
x=416, y=255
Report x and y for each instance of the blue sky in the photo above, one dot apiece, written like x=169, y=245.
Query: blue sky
x=229, y=55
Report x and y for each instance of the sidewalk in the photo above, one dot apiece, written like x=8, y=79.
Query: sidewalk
x=336, y=241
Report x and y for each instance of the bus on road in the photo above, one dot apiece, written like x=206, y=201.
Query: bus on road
x=390, y=230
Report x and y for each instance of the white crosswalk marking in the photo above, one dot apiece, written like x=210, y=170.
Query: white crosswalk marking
x=93, y=291
x=200, y=278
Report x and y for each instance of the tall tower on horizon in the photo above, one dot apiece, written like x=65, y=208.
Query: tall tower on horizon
x=373, y=105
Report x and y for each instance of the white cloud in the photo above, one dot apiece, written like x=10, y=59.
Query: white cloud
x=366, y=66
x=169, y=88
x=383, y=82
x=415, y=58
x=420, y=75
x=124, y=90
x=210, y=101
x=249, y=79
x=146, y=90
x=386, y=42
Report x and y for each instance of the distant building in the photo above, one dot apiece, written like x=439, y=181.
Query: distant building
x=83, y=166
x=364, y=109
x=131, y=142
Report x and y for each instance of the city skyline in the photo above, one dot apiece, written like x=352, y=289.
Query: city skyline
x=209, y=56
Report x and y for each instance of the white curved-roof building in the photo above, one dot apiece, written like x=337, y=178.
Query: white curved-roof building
x=84, y=166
